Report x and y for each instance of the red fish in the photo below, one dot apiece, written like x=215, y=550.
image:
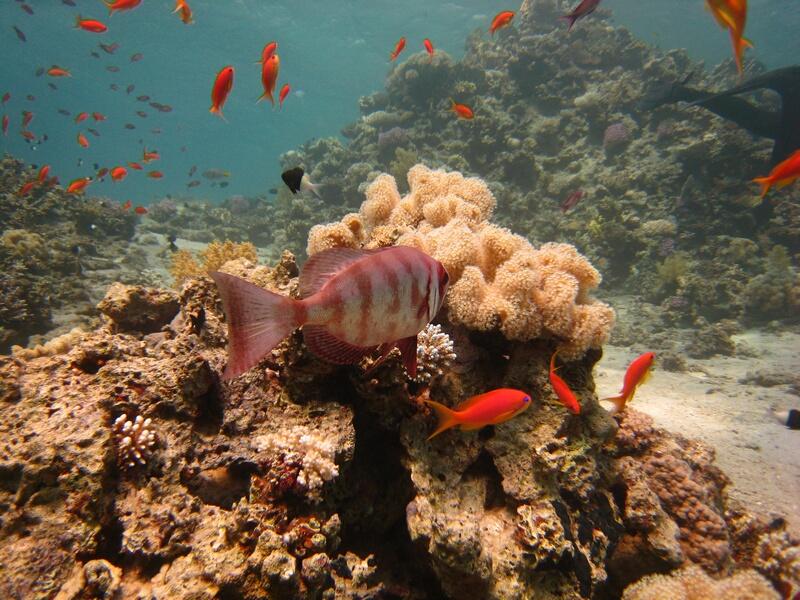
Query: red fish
x=269, y=78
x=135, y=165
x=127, y=205
x=43, y=172
x=398, y=48
x=638, y=372
x=78, y=186
x=462, y=110
x=269, y=49
x=148, y=156
x=27, y=117
x=119, y=173
x=155, y=175
x=90, y=25
x=102, y=172
x=98, y=116
x=560, y=387
x=26, y=188
x=56, y=71
x=428, y=48
x=222, y=87
x=81, y=117
x=571, y=201
x=284, y=92
x=353, y=302
x=140, y=210
x=6, y=97
x=586, y=7
x=732, y=15
x=5, y=124
x=501, y=19
x=185, y=11
x=120, y=5
x=490, y=408
x=782, y=174
x=83, y=141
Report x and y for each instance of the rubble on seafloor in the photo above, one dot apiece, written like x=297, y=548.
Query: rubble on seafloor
x=301, y=479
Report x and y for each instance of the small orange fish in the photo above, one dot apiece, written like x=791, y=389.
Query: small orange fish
x=27, y=117
x=140, y=210
x=90, y=25
x=462, y=110
x=135, y=165
x=120, y=5
x=222, y=87
x=28, y=135
x=83, y=141
x=127, y=205
x=732, y=15
x=98, y=116
x=269, y=78
x=56, y=71
x=5, y=124
x=401, y=43
x=501, y=19
x=155, y=175
x=148, y=156
x=119, y=173
x=638, y=372
x=783, y=174
x=284, y=92
x=560, y=387
x=185, y=10
x=81, y=117
x=26, y=188
x=43, y=172
x=428, y=47
x=490, y=408
x=269, y=50
x=78, y=186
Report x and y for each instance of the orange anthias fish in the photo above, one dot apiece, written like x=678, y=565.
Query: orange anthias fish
x=155, y=175
x=135, y=165
x=140, y=210
x=127, y=205
x=5, y=124
x=222, y=87
x=638, y=372
x=462, y=110
x=43, y=172
x=560, y=387
x=284, y=92
x=352, y=303
x=83, y=141
x=119, y=173
x=428, y=48
x=732, y=15
x=401, y=43
x=120, y=5
x=78, y=186
x=501, y=19
x=782, y=174
x=90, y=25
x=269, y=78
x=148, y=156
x=56, y=71
x=185, y=10
x=98, y=116
x=269, y=50
x=26, y=188
x=81, y=117
x=490, y=408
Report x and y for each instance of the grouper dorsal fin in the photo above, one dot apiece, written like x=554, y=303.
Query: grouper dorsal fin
x=320, y=267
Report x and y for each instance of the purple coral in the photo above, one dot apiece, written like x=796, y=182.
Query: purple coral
x=615, y=138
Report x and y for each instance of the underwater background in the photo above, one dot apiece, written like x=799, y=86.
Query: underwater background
x=595, y=393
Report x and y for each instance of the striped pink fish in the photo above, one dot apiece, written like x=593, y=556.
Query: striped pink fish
x=352, y=302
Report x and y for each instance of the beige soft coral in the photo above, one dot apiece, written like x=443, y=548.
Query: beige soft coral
x=498, y=279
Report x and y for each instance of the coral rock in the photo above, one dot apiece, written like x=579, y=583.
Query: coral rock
x=140, y=309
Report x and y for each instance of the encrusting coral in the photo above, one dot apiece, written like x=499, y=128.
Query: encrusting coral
x=692, y=583
x=498, y=280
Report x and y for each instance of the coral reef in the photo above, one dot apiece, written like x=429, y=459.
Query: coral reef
x=434, y=353
x=692, y=583
x=216, y=254
x=135, y=441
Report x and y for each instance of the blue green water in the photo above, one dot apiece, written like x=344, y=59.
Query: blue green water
x=331, y=53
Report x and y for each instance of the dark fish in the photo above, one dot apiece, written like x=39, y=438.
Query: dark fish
x=96, y=166
x=141, y=114
x=95, y=54
x=40, y=71
x=223, y=184
x=293, y=178
x=114, y=87
x=273, y=190
x=193, y=170
x=161, y=107
x=26, y=8
x=52, y=86
x=143, y=98
x=156, y=130
x=20, y=34
x=183, y=148
x=193, y=183
x=94, y=132
x=130, y=126
x=572, y=200
x=109, y=48
x=137, y=57
x=130, y=88
x=68, y=2
x=30, y=97
x=64, y=111
x=112, y=69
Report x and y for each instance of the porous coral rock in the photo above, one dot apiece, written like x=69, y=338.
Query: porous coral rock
x=136, y=308
x=692, y=583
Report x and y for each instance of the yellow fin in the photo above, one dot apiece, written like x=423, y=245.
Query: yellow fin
x=447, y=417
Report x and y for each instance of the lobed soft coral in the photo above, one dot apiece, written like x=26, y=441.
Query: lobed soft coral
x=692, y=583
x=498, y=279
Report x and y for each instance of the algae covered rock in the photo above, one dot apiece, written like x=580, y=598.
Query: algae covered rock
x=137, y=308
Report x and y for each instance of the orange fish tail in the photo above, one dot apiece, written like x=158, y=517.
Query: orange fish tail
x=765, y=183
x=268, y=96
x=618, y=401
x=447, y=417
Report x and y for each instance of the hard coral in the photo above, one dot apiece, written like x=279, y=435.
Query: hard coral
x=693, y=584
x=185, y=266
x=498, y=279
x=135, y=441
x=434, y=353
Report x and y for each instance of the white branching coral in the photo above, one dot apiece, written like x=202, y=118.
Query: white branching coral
x=312, y=453
x=434, y=353
x=135, y=441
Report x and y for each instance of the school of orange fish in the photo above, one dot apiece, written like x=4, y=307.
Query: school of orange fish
x=399, y=287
